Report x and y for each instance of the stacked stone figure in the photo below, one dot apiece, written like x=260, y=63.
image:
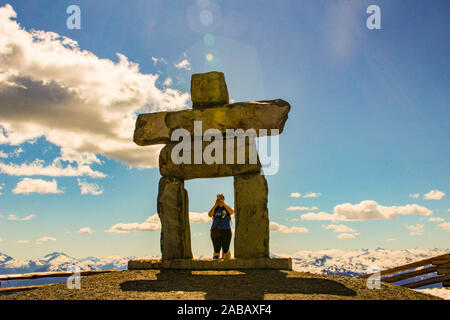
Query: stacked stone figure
x=211, y=106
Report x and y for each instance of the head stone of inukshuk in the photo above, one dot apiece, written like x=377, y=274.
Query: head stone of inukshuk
x=213, y=139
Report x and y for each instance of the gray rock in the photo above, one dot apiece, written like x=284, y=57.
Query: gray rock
x=157, y=128
x=173, y=211
x=187, y=171
x=208, y=90
x=242, y=115
x=151, y=129
x=252, y=219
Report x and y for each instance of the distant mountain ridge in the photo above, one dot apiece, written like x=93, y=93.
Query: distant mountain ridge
x=59, y=261
x=357, y=262
x=331, y=261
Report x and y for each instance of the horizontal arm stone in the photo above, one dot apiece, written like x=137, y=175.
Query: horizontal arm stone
x=156, y=128
x=151, y=129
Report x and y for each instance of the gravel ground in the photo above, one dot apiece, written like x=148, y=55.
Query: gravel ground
x=218, y=285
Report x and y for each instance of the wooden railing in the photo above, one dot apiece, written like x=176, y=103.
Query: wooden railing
x=439, y=264
x=39, y=275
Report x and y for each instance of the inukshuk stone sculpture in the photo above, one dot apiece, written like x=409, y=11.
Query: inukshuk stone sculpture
x=211, y=106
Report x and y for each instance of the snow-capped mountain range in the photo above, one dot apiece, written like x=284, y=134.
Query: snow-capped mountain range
x=356, y=262
x=330, y=261
x=58, y=261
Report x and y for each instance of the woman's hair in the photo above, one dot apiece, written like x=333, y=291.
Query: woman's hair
x=220, y=195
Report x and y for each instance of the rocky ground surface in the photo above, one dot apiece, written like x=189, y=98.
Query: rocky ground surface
x=219, y=285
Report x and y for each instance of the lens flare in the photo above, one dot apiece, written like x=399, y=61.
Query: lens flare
x=206, y=17
x=208, y=40
x=209, y=57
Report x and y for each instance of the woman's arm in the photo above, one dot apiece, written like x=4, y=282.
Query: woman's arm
x=229, y=209
x=211, y=212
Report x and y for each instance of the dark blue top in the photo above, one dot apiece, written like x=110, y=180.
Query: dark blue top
x=221, y=218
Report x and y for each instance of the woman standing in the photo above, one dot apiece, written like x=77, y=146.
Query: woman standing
x=220, y=228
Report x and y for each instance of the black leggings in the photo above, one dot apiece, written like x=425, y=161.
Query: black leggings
x=221, y=239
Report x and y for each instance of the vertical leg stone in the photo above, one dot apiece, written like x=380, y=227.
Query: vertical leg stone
x=251, y=238
x=173, y=211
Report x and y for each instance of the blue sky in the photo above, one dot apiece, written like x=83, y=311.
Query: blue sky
x=367, y=132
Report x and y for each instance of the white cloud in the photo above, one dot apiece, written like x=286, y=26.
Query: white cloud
x=153, y=218
x=434, y=195
x=445, y=226
x=308, y=195
x=92, y=101
x=370, y=210
x=22, y=241
x=156, y=60
x=435, y=219
x=17, y=152
x=414, y=195
x=367, y=210
x=168, y=82
x=56, y=169
x=45, y=239
x=70, y=155
x=312, y=195
x=127, y=227
x=85, y=230
x=301, y=208
x=345, y=232
x=391, y=239
x=89, y=188
x=199, y=217
x=183, y=64
x=276, y=227
x=1, y=188
x=415, y=230
x=152, y=223
x=28, y=185
x=345, y=236
x=13, y=217
x=14, y=153
x=319, y=216
x=339, y=228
